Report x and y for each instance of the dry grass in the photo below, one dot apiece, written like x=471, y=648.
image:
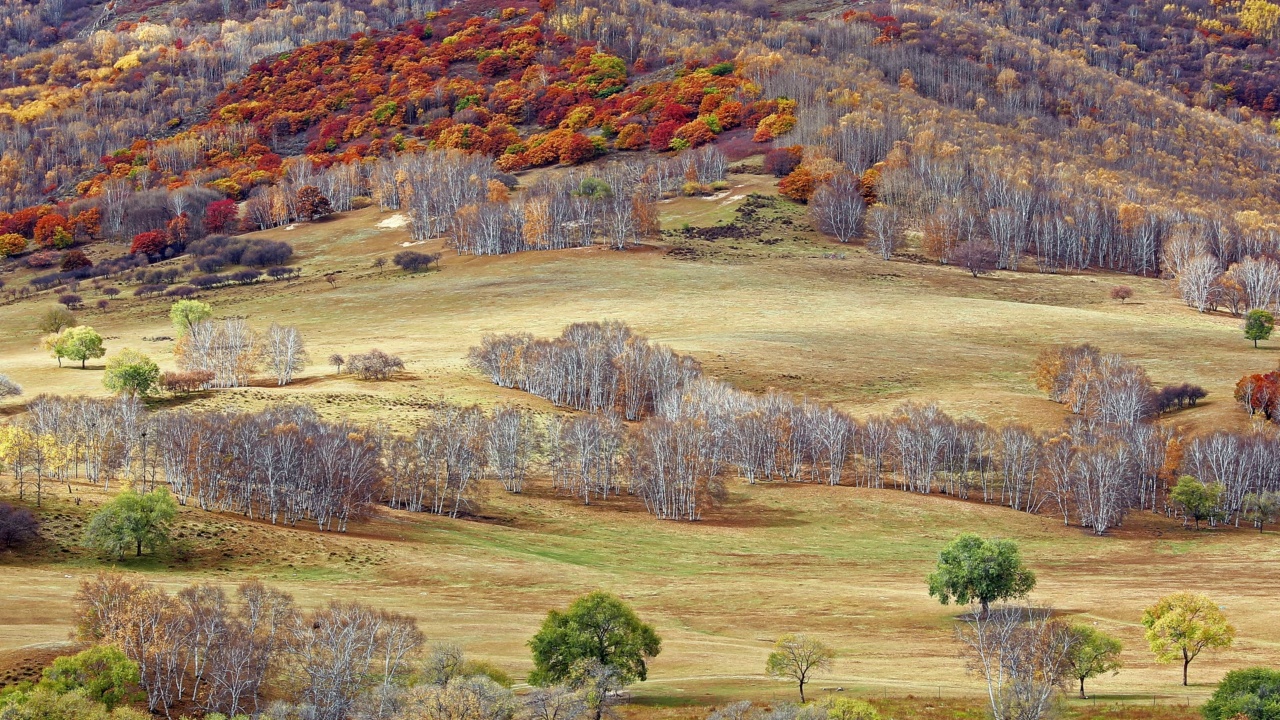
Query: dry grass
x=842, y=563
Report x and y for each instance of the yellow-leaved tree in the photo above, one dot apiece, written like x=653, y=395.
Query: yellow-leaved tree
x=1182, y=625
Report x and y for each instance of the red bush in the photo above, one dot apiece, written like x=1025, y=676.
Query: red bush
x=150, y=243
x=577, y=149
x=660, y=138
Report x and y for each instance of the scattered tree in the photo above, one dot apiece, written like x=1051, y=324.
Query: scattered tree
x=285, y=352
x=1261, y=508
x=374, y=365
x=56, y=319
x=18, y=526
x=1182, y=625
x=798, y=657
x=80, y=343
x=1024, y=656
x=1258, y=325
x=1121, y=293
x=312, y=204
x=1093, y=653
x=978, y=257
x=185, y=313
x=140, y=521
x=9, y=388
x=599, y=627
x=971, y=569
x=1197, y=500
x=130, y=371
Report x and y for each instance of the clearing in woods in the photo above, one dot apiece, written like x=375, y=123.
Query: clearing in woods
x=761, y=302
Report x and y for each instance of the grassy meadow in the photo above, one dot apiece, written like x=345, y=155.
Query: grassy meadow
x=774, y=307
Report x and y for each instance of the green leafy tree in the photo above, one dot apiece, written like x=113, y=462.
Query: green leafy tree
x=596, y=626
x=1183, y=625
x=1093, y=653
x=130, y=371
x=81, y=343
x=1197, y=500
x=1253, y=694
x=132, y=520
x=1259, y=508
x=102, y=673
x=1258, y=325
x=798, y=657
x=971, y=569
x=185, y=313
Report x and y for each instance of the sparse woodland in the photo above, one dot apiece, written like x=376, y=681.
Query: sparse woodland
x=142, y=143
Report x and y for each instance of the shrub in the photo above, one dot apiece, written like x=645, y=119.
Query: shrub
x=185, y=382
x=1121, y=292
x=9, y=388
x=415, y=261
x=17, y=526
x=12, y=244
x=374, y=365
x=75, y=260
x=43, y=259
x=1253, y=694
x=782, y=161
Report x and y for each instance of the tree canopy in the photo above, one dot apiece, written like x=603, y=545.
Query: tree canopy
x=1093, y=653
x=130, y=371
x=971, y=569
x=186, y=313
x=1258, y=325
x=1199, y=501
x=1182, y=625
x=797, y=657
x=132, y=520
x=597, y=626
x=80, y=343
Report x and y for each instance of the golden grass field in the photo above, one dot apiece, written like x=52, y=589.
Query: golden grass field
x=844, y=564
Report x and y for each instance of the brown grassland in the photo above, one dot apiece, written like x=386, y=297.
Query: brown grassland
x=764, y=310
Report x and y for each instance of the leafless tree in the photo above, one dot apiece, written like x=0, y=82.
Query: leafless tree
x=1022, y=654
x=284, y=351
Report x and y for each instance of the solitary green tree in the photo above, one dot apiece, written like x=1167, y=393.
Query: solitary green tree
x=596, y=626
x=76, y=343
x=1182, y=625
x=185, y=313
x=971, y=569
x=132, y=520
x=129, y=371
x=1093, y=652
x=1258, y=325
x=797, y=657
x=1197, y=500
